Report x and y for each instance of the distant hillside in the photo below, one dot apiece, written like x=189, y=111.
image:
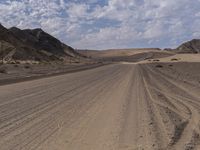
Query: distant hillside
x=116, y=52
x=192, y=46
x=126, y=55
x=35, y=45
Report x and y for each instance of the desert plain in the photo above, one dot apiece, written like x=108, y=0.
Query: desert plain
x=149, y=103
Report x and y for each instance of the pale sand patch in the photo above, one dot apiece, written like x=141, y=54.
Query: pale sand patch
x=176, y=58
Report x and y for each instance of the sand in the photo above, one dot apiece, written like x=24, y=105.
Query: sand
x=176, y=58
x=113, y=107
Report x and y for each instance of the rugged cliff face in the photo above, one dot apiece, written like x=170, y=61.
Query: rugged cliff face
x=192, y=46
x=33, y=45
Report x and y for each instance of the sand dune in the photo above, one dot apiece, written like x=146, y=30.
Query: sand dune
x=114, y=107
x=126, y=55
x=116, y=52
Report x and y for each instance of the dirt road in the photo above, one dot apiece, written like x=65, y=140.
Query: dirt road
x=114, y=107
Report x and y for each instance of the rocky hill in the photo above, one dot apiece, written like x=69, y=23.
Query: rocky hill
x=192, y=46
x=34, y=46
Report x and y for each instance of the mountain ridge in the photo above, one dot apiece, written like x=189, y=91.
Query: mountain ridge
x=192, y=46
x=33, y=45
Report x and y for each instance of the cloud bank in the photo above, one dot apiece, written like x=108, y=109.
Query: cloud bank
x=108, y=23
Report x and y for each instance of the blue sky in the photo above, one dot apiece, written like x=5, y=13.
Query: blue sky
x=104, y=24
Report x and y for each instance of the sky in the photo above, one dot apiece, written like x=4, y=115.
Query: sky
x=105, y=24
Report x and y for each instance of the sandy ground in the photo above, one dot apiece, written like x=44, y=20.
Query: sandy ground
x=12, y=73
x=115, y=52
x=114, y=107
x=176, y=58
x=127, y=55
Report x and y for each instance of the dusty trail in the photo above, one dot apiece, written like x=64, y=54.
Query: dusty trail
x=114, y=107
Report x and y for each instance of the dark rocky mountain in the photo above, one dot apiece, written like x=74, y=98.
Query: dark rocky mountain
x=7, y=36
x=33, y=45
x=192, y=46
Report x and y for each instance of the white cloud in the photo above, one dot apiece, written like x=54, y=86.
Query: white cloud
x=77, y=11
x=117, y=23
